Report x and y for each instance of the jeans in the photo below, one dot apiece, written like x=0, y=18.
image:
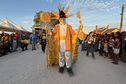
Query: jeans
x=33, y=45
x=14, y=46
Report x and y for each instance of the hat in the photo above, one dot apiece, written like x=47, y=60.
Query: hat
x=62, y=13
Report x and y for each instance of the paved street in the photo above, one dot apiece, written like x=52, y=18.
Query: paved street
x=30, y=67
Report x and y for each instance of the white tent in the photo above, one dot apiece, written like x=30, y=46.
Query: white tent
x=20, y=28
x=6, y=25
x=9, y=26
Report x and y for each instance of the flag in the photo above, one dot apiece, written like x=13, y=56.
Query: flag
x=81, y=35
x=59, y=6
x=78, y=15
x=67, y=9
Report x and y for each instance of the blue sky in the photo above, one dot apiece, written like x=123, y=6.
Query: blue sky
x=93, y=12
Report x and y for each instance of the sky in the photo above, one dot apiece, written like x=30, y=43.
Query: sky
x=93, y=12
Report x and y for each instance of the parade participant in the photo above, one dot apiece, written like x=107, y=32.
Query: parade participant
x=62, y=35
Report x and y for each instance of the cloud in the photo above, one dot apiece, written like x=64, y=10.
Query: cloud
x=96, y=12
x=92, y=5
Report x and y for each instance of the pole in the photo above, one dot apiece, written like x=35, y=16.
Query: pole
x=121, y=22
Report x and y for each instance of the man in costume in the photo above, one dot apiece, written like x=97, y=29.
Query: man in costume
x=63, y=33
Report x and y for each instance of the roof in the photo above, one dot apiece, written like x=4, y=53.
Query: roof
x=100, y=30
x=104, y=30
x=112, y=30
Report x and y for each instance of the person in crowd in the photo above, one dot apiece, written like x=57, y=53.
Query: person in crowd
x=43, y=40
x=26, y=41
x=23, y=42
x=2, y=34
x=116, y=49
x=106, y=47
x=83, y=45
x=110, y=46
x=100, y=47
x=11, y=38
x=123, y=47
x=6, y=43
x=6, y=40
x=97, y=36
x=14, y=44
x=2, y=47
x=33, y=40
x=17, y=37
x=90, y=48
x=95, y=42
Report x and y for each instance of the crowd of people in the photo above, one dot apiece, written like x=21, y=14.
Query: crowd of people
x=11, y=42
x=38, y=38
x=111, y=45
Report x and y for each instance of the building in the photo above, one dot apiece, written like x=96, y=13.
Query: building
x=104, y=30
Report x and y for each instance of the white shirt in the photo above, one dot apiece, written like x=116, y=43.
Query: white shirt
x=62, y=34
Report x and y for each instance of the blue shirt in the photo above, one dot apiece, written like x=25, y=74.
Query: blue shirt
x=34, y=37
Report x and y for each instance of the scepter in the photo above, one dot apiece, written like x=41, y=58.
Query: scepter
x=76, y=38
x=80, y=26
x=46, y=18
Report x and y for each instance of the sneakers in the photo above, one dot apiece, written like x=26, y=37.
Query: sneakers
x=61, y=69
x=70, y=71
